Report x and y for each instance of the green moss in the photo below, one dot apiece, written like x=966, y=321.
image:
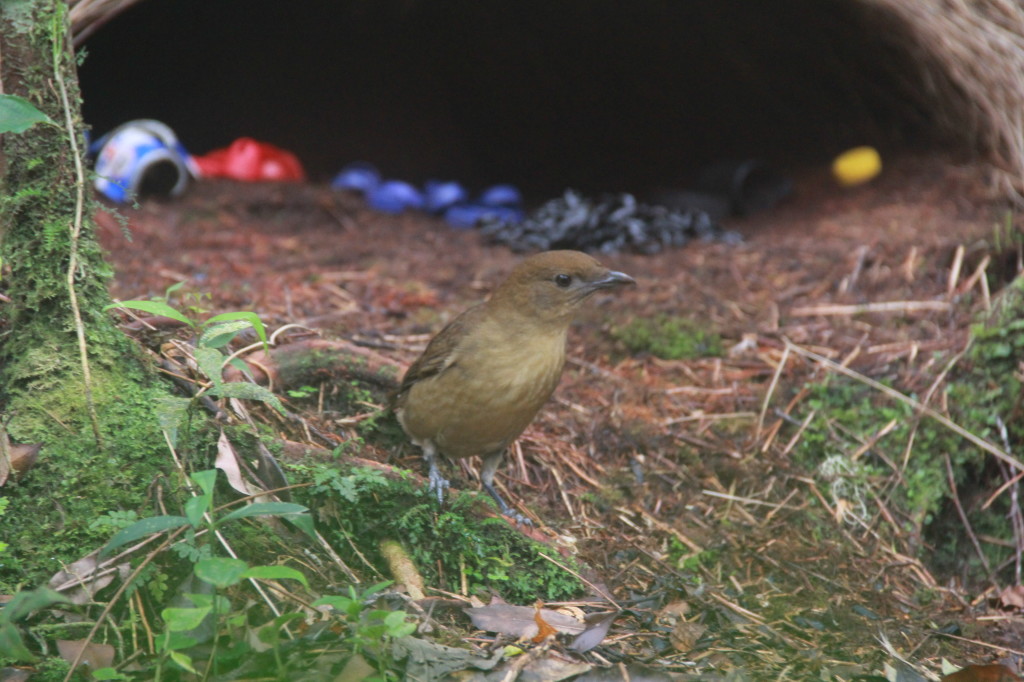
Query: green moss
x=985, y=397
x=670, y=338
x=451, y=546
x=75, y=481
x=54, y=669
x=983, y=394
x=848, y=414
x=42, y=391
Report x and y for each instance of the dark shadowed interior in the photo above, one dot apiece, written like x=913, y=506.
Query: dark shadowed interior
x=592, y=94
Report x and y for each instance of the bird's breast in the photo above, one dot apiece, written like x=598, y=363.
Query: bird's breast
x=526, y=371
x=488, y=396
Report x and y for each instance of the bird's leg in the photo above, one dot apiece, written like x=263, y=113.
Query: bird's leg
x=487, y=472
x=438, y=483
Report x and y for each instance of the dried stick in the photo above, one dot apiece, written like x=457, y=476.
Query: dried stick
x=861, y=308
x=967, y=524
x=771, y=391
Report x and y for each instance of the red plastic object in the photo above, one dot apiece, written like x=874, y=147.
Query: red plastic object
x=249, y=159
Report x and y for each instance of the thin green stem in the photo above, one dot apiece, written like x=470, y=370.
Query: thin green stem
x=60, y=34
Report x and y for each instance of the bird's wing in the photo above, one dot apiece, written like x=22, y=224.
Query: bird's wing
x=440, y=354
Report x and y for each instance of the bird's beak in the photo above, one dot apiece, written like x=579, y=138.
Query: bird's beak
x=612, y=279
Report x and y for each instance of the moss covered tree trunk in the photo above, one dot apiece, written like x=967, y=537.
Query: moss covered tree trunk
x=69, y=380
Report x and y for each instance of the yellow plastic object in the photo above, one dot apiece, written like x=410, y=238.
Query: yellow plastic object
x=857, y=166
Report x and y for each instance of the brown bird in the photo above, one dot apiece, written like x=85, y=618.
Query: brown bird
x=484, y=377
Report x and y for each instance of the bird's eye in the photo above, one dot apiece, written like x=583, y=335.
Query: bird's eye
x=563, y=280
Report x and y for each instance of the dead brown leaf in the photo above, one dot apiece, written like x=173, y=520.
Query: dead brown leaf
x=91, y=654
x=982, y=673
x=597, y=629
x=519, y=621
x=1012, y=597
x=79, y=581
x=684, y=635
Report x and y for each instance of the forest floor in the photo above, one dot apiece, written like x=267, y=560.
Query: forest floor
x=696, y=468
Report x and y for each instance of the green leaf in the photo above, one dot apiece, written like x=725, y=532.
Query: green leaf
x=397, y=626
x=221, y=571
x=271, y=632
x=172, y=641
x=263, y=509
x=286, y=618
x=184, y=619
x=184, y=661
x=24, y=603
x=246, y=391
x=211, y=601
x=346, y=605
x=173, y=288
x=275, y=573
x=210, y=361
x=1001, y=350
x=17, y=114
x=171, y=412
x=12, y=645
x=250, y=317
x=195, y=507
x=221, y=334
x=153, y=308
x=140, y=529
x=200, y=600
x=303, y=522
x=19, y=607
x=205, y=479
x=374, y=589
x=239, y=364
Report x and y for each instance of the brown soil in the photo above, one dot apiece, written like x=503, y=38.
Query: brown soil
x=779, y=595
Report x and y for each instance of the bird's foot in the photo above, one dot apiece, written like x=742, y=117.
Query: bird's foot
x=438, y=484
x=516, y=517
x=506, y=510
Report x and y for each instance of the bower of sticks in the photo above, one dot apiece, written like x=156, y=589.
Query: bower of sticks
x=764, y=498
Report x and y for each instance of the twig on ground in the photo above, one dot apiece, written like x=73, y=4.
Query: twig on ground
x=954, y=271
x=951, y=480
x=861, y=308
x=583, y=580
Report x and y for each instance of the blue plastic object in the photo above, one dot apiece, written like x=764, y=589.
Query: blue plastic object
x=501, y=195
x=359, y=176
x=464, y=216
x=141, y=157
x=439, y=195
x=394, y=196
